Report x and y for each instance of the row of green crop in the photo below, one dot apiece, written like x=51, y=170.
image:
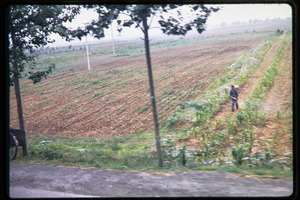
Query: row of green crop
x=234, y=139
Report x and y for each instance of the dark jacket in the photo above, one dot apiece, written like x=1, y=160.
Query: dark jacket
x=234, y=93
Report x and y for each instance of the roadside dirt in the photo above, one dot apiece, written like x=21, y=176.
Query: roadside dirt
x=37, y=181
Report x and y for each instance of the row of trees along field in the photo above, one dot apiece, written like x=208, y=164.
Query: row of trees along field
x=52, y=50
x=29, y=28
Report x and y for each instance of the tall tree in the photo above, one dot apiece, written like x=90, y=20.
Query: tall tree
x=29, y=27
x=173, y=19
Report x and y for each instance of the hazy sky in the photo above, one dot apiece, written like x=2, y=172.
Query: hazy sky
x=228, y=13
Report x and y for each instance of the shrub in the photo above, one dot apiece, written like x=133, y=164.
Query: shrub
x=240, y=117
x=278, y=115
x=171, y=120
x=218, y=124
x=238, y=153
x=143, y=109
x=48, y=150
x=267, y=159
x=259, y=118
x=222, y=135
x=231, y=126
x=207, y=156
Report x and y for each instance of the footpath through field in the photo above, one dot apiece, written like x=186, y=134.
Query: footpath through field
x=37, y=181
x=247, y=88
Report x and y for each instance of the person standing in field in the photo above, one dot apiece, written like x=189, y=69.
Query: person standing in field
x=233, y=95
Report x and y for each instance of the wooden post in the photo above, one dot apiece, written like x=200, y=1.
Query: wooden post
x=87, y=54
x=112, y=39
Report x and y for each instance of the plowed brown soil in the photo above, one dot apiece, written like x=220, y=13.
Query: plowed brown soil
x=113, y=98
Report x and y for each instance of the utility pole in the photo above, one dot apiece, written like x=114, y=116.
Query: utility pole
x=87, y=51
x=87, y=54
x=112, y=39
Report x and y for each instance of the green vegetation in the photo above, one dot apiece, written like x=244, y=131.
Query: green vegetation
x=143, y=109
x=134, y=152
x=129, y=152
x=67, y=108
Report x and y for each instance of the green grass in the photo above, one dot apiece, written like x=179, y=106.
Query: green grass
x=136, y=152
x=67, y=108
x=98, y=94
x=122, y=109
x=117, y=153
x=143, y=109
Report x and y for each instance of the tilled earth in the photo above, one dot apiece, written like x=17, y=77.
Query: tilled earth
x=32, y=180
x=113, y=98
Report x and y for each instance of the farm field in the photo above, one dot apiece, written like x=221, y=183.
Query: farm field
x=260, y=132
x=107, y=110
x=113, y=98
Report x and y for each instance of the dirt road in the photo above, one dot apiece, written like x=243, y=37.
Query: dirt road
x=32, y=180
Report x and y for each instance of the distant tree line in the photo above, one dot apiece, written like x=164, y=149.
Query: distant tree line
x=256, y=21
x=53, y=50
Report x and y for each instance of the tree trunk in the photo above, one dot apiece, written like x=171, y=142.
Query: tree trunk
x=150, y=76
x=18, y=94
x=20, y=113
